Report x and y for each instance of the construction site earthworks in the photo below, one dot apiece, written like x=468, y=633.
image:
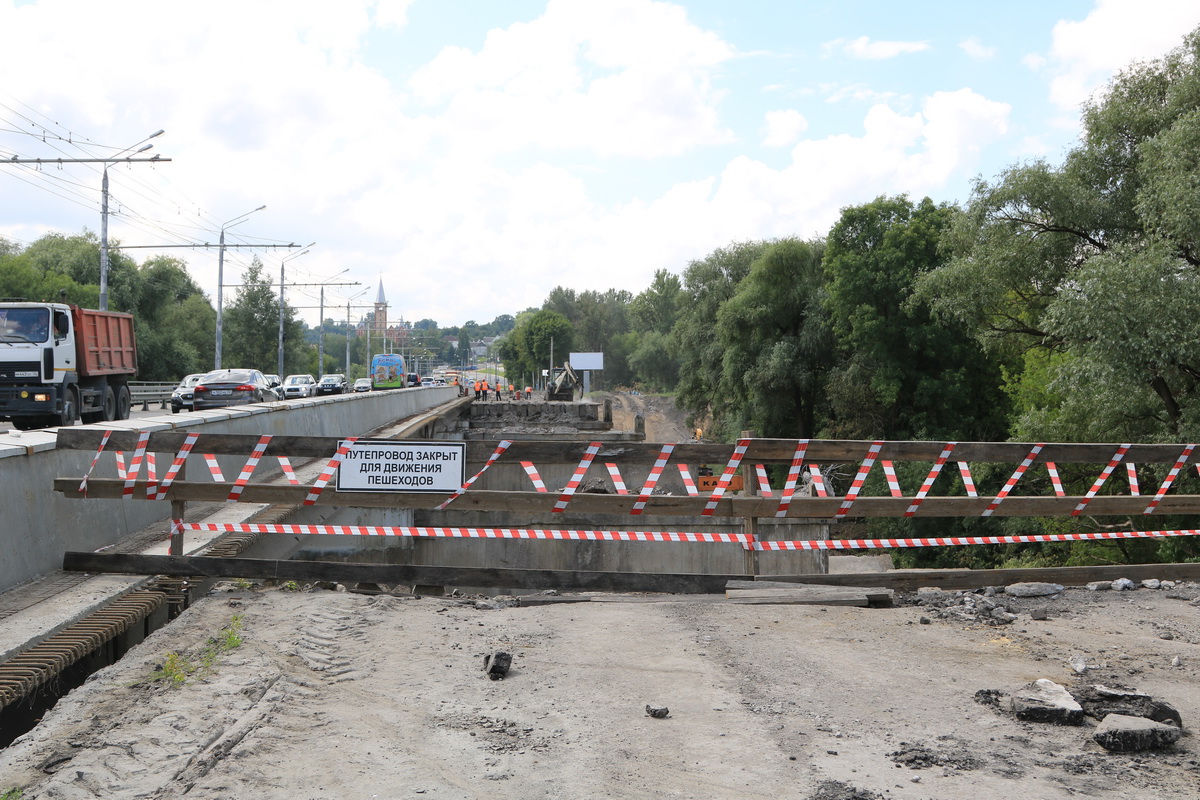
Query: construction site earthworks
x=877, y=684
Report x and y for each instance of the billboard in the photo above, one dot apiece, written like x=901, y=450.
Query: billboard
x=580, y=361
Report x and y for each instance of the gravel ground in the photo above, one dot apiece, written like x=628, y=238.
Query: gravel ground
x=341, y=695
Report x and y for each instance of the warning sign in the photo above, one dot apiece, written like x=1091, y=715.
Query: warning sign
x=391, y=466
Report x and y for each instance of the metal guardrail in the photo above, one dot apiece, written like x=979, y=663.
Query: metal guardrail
x=147, y=392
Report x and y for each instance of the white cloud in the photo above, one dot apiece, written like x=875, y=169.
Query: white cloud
x=976, y=49
x=1086, y=53
x=782, y=128
x=863, y=47
x=628, y=78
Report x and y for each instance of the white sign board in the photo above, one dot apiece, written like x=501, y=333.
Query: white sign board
x=587, y=361
x=385, y=465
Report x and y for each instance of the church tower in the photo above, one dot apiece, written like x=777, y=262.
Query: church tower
x=381, y=321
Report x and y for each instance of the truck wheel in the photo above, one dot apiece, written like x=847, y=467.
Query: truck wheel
x=70, y=409
x=108, y=405
x=124, y=402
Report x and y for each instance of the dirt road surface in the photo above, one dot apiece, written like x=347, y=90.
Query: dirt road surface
x=342, y=695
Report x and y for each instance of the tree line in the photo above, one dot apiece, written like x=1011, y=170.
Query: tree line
x=1058, y=303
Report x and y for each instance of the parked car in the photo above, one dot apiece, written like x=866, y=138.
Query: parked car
x=332, y=383
x=181, y=398
x=231, y=387
x=299, y=386
x=276, y=384
x=362, y=385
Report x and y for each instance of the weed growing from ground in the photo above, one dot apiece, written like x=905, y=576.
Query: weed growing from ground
x=177, y=668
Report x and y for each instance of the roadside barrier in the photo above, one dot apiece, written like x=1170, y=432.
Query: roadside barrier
x=821, y=502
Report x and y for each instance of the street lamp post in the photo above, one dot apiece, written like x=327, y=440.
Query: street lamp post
x=283, y=261
x=348, y=299
x=321, y=328
x=221, y=277
x=104, y=218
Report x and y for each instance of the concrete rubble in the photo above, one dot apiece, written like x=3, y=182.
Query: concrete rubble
x=1046, y=701
x=1123, y=734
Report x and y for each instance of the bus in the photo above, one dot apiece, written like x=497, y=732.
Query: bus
x=387, y=371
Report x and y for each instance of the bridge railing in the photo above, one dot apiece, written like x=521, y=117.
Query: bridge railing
x=147, y=392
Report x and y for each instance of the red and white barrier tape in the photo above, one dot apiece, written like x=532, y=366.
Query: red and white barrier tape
x=1170, y=479
x=500, y=448
x=859, y=479
x=135, y=464
x=214, y=468
x=255, y=456
x=1055, y=481
x=793, y=478
x=327, y=473
x=1117, y=458
x=1012, y=481
x=618, y=481
x=103, y=442
x=569, y=490
x=735, y=460
x=964, y=469
x=934, y=471
x=689, y=485
x=1131, y=473
x=468, y=533
x=532, y=472
x=954, y=541
x=814, y=472
x=764, y=484
x=120, y=459
x=185, y=449
x=288, y=472
x=889, y=473
x=656, y=471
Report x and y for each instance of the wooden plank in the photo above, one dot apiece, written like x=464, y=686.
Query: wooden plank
x=872, y=593
x=670, y=505
x=796, y=598
x=306, y=571
x=771, y=451
x=910, y=580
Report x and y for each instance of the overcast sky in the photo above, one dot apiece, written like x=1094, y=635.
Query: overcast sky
x=473, y=154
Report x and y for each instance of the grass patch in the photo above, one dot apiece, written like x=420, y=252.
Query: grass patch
x=178, y=668
x=289, y=586
x=13, y=794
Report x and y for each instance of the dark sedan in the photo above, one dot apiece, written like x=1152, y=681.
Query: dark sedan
x=231, y=387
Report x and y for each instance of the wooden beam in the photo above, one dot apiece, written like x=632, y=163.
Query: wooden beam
x=910, y=580
x=669, y=505
x=309, y=571
x=770, y=451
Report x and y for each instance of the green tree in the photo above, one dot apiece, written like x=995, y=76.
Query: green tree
x=901, y=374
x=1078, y=260
x=251, y=327
x=707, y=285
x=776, y=344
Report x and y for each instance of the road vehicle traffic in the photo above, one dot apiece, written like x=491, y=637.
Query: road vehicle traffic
x=231, y=387
x=60, y=363
x=181, y=398
x=387, y=371
x=295, y=386
x=276, y=384
x=362, y=385
x=332, y=383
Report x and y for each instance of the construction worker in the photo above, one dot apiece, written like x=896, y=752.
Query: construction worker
x=528, y=392
x=476, y=388
x=511, y=393
x=485, y=389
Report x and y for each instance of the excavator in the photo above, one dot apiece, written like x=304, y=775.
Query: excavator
x=562, y=385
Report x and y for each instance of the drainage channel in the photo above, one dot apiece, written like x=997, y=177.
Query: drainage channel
x=32, y=681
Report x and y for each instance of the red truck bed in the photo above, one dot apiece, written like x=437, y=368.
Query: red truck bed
x=105, y=342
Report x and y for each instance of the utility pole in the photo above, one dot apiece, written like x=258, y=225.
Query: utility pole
x=118, y=159
x=282, y=262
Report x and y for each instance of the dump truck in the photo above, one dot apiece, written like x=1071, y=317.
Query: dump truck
x=60, y=363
